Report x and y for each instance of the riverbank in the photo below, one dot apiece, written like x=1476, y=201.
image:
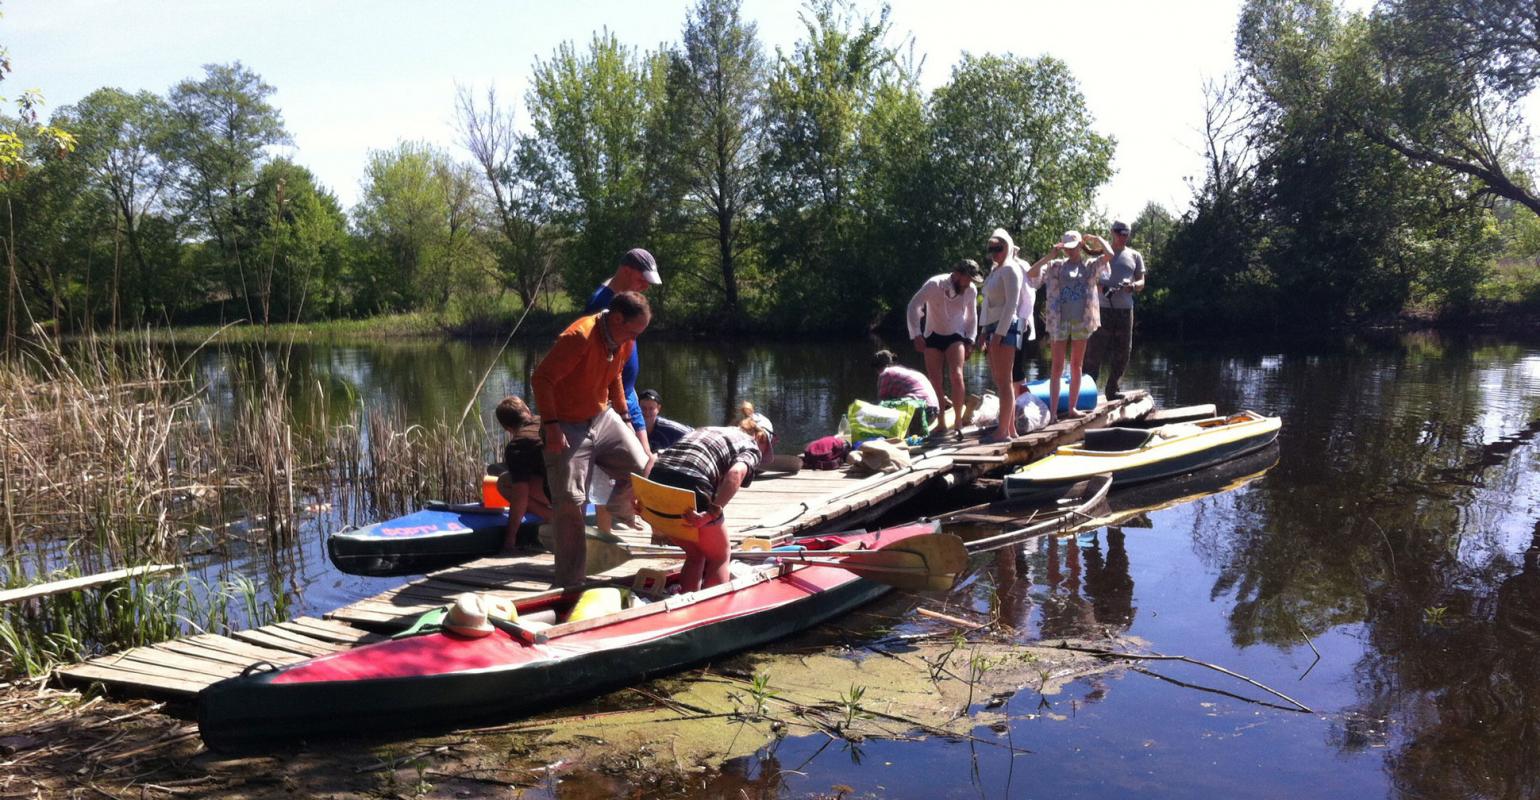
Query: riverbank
x=1507, y=308
x=673, y=736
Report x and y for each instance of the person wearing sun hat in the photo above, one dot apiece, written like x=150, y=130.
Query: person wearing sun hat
x=1113, y=342
x=943, y=323
x=1073, y=312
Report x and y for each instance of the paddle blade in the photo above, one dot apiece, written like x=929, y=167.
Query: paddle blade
x=605, y=551
x=941, y=553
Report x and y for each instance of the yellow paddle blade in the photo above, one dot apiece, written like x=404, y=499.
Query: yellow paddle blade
x=663, y=508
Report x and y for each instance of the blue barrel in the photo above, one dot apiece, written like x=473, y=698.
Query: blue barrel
x=1086, y=402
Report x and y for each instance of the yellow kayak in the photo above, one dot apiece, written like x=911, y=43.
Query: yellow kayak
x=1132, y=455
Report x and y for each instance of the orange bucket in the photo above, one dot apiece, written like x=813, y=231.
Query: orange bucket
x=490, y=496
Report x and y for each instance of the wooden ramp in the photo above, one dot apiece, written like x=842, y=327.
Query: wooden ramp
x=775, y=507
x=184, y=666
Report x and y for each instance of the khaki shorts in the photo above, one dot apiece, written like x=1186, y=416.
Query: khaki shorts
x=605, y=442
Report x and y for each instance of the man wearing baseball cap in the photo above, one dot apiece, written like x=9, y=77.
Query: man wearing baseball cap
x=638, y=272
x=662, y=432
x=1113, y=342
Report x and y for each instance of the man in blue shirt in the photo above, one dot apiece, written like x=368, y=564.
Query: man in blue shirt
x=662, y=432
x=638, y=272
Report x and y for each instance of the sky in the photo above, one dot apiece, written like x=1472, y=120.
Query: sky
x=356, y=76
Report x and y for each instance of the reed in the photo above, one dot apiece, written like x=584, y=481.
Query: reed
x=114, y=454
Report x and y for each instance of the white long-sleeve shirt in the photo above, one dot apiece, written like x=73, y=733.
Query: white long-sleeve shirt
x=1009, y=295
x=944, y=311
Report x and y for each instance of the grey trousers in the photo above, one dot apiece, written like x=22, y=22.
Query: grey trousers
x=1111, y=344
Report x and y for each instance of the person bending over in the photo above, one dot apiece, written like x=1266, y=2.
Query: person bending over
x=712, y=463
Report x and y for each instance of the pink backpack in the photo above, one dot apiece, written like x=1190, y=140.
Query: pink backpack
x=826, y=453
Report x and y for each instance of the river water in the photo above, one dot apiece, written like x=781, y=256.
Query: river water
x=1379, y=565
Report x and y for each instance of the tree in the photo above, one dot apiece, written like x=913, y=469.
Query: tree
x=1152, y=229
x=419, y=218
x=298, y=243
x=120, y=137
x=222, y=127
x=590, y=115
x=525, y=248
x=714, y=86
x=1452, y=76
x=810, y=167
x=1017, y=148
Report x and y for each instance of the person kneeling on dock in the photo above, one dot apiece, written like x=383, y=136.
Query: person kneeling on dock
x=712, y=463
x=521, y=481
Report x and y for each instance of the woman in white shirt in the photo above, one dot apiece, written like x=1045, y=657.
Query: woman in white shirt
x=1010, y=292
x=943, y=323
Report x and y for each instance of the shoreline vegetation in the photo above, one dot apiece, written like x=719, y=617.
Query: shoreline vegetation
x=1359, y=168
x=1509, y=316
x=117, y=454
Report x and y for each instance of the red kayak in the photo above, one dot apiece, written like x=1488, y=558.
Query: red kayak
x=439, y=679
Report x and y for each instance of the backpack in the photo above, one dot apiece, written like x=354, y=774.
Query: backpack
x=825, y=453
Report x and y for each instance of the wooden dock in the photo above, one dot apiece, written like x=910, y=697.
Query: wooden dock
x=775, y=507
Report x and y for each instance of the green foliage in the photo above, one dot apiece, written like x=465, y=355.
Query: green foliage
x=298, y=241
x=219, y=131
x=1306, y=217
x=810, y=169
x=416, y=218
x=1017, y=148
x=707, y=146
x=590, y=113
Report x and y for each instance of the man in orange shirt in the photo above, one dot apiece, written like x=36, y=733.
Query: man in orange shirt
x=581, y=399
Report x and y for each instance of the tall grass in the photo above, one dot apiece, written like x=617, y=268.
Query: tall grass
x=113, y=454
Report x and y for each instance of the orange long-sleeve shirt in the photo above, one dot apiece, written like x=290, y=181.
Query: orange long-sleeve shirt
x=578, y=378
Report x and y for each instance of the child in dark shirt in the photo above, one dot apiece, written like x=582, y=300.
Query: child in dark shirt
x=522, y=482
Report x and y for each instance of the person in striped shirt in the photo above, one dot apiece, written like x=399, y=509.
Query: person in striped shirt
x=713, y=463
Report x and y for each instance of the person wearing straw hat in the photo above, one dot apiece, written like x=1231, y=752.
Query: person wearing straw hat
x=1069, y=285
x=1113, y=342
x=943, y=322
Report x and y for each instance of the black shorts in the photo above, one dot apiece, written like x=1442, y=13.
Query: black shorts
x=936, y=341
x=680, y=480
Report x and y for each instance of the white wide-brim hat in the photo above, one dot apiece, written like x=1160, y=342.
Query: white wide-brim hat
x=468, y=616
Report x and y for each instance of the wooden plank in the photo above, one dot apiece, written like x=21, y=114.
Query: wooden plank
x=236, y=647
x=210, y=654
x=266, y=639
x=336, y=630
x=88, y=672
x=354, y=638
x=122, y=663
x=83, y=582
x=179, y=662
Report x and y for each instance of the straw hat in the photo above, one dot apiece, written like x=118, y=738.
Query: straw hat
x=468, y=616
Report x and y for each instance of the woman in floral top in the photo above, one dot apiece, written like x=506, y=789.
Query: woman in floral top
x=1073, y=310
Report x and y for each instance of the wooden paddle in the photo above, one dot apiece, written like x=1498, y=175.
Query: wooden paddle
x=927, y=561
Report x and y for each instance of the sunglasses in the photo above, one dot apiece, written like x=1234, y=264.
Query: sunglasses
x=996, y=248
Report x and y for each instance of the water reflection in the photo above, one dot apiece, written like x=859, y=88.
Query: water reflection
x=1394, y=530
